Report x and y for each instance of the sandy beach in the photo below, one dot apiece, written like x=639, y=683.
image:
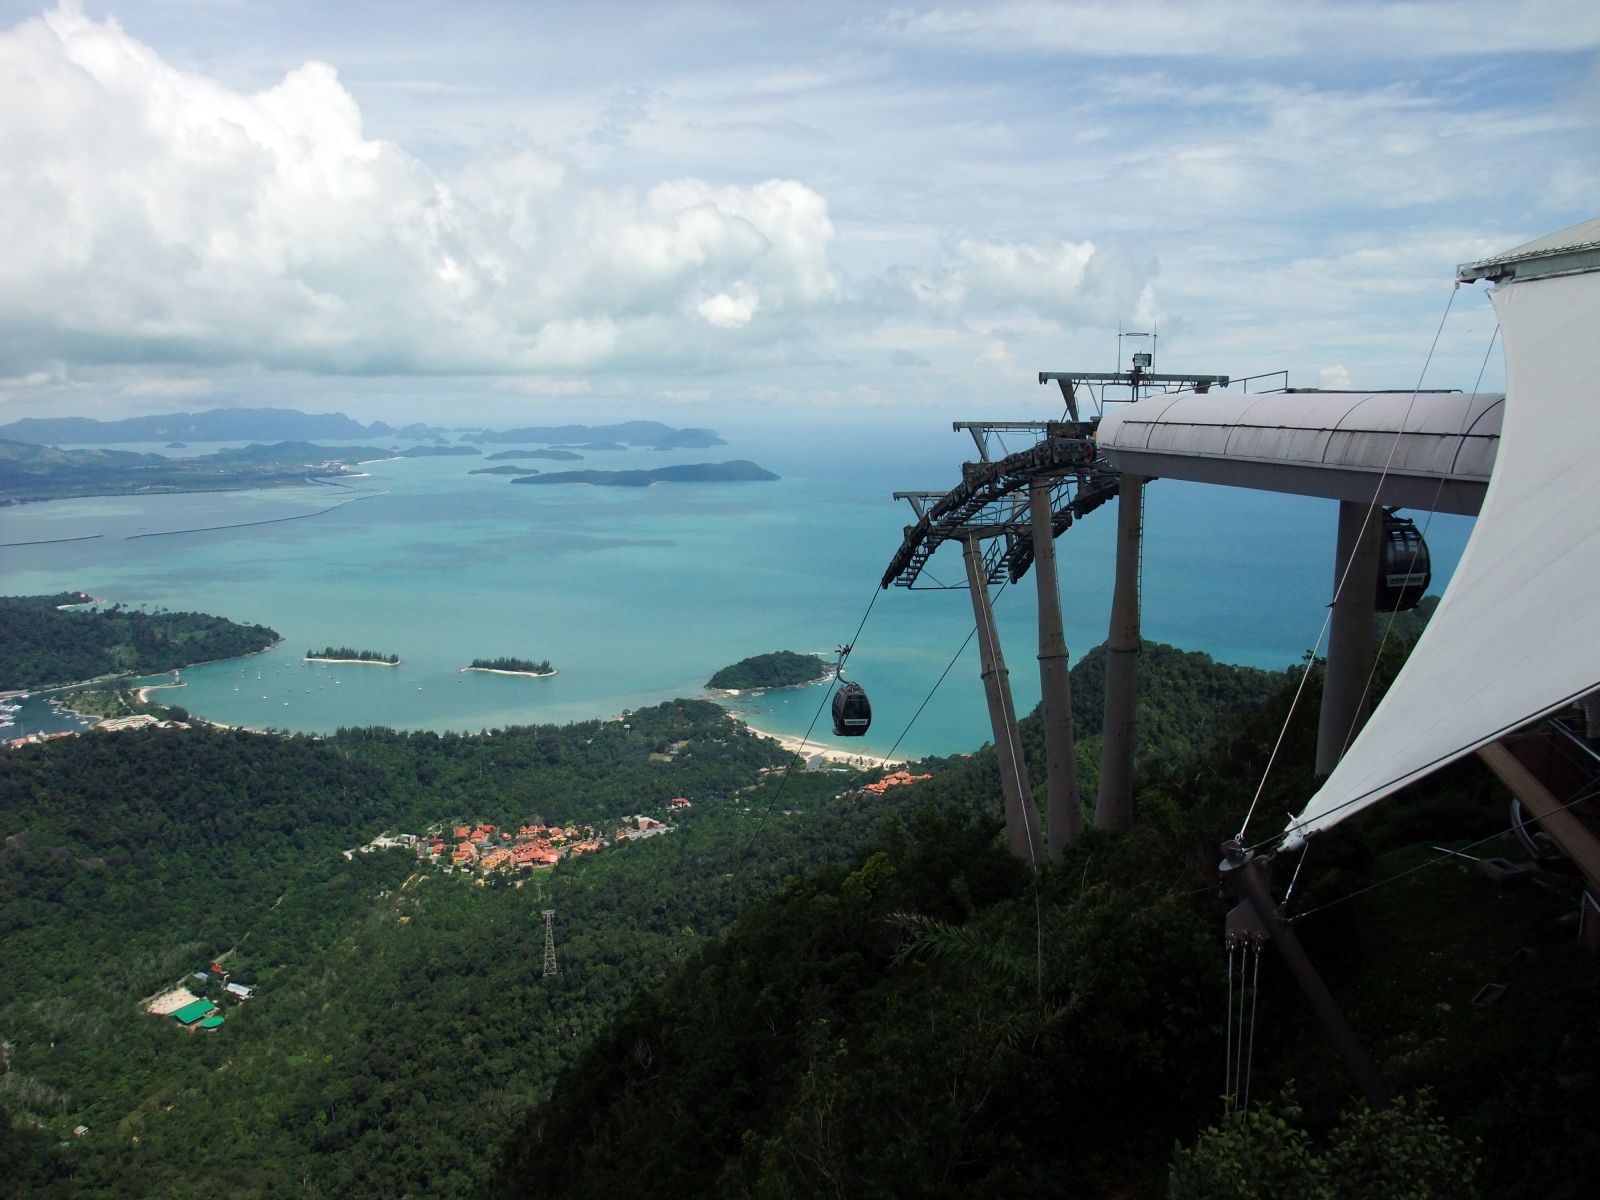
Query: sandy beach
x=498, y=671
x=355, y=662
x=144, y=692
x=815, y=749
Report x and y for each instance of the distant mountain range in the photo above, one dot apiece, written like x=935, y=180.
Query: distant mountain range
x=652, y=434
x=287, y=424
x=218, y=425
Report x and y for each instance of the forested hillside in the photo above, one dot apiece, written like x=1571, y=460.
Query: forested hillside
x=401, y=1023
x=898, y=1009
x=41, y=643
x=400, y=1029
x=928, y=1020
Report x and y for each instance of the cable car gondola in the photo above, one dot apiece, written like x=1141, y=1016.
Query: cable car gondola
x=852, y=711
x=1404, y=570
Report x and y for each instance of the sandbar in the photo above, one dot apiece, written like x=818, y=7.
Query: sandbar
x=498, y=671
x=144, y=692
x=356, y=662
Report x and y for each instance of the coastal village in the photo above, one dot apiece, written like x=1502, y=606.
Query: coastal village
x=483, y=849
x=478, y=850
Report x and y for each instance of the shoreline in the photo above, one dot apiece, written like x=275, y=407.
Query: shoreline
x=355, y=662
x=78, y=685
x=498, y=671
x=814, y=749
x=144, y=692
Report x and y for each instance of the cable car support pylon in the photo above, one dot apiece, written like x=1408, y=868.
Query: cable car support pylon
x=1007, y=512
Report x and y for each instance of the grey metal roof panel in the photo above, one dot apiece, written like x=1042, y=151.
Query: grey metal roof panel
x=1191, y=438
x=1575, y=248
x=1231, y=438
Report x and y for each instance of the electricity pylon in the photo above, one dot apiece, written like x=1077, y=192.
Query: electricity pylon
x=550, y=967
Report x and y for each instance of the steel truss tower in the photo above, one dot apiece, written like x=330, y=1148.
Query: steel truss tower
x=550, y=967
x=1006, y=513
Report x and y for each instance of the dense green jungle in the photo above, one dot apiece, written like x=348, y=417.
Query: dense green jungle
x=802, y=990
x=780, y=668
x=45, y=641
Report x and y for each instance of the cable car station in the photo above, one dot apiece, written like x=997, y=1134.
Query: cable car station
x=1371, y=452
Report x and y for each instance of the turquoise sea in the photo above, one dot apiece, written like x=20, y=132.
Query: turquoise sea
x=638, y=595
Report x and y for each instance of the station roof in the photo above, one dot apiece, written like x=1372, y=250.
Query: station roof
x=1432, y=450
x=1575, y=248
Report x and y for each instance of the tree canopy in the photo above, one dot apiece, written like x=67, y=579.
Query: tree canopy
x=780, y=668
x=43, y=643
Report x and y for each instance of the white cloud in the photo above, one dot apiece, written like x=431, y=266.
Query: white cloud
x=997, y=357
x=719, y=195
x=730, y=312
x=544, y=386
x=152, y=213
x=167, y=388
x=1254, y=28
x=1336, y=377
x=1063, y=282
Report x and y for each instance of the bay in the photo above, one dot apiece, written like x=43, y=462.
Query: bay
x=637, y=595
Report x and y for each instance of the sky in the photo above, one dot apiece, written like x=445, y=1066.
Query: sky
x=506, y=213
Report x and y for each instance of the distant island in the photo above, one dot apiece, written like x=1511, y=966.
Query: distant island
x=737, y=471
x=435, y=451
x=33, y=472
x=650, y=434
x=48, y=640
x=512, y=666
x=556, y=455
x=593, y=446
x=504, y=469
x=344, y=654
x=781, y=668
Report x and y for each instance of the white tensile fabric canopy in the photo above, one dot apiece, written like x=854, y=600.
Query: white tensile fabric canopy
x=1515, y=636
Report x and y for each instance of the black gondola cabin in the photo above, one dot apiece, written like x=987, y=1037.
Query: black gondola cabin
x=1404, y=570
x=852, y=711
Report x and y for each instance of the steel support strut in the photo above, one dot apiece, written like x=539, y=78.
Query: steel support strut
x=1062, y=803
x=1247, y=872
x=1114, y=809
x=1022, y=822
x=1349, y=670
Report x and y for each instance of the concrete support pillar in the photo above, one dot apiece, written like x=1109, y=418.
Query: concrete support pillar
x=1344, y=683
x=1062, y=805
x=1022, y=822
x=1114, y=810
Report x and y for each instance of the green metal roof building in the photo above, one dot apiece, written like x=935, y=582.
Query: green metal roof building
x=190, y=1013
